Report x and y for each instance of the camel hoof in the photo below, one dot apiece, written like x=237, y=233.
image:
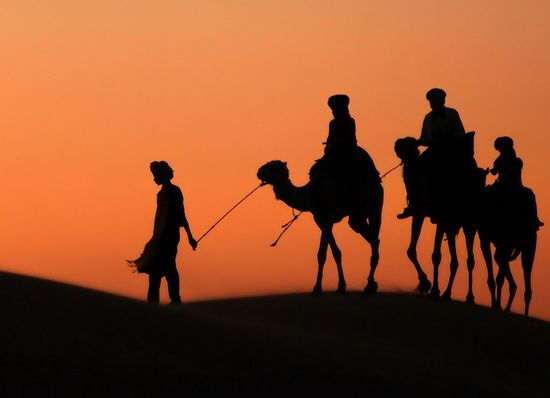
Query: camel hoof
x=470, y=299
x=317, y=290
x=341, y=289
x=424, y=285
x=446, y=296
x=371, y=287
x=434, y=293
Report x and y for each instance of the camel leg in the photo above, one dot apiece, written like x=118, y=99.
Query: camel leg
x=500, y=282
x=337, y=254
x=436, y=260
x=359, y=225
x=321, y=259
x=424, y=283
x=502, y=257
x=527, y=259
x=485, y=245
x=371, y=231
x=470, y=234
x=451, y=240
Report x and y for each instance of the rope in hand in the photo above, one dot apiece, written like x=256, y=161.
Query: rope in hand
x=392, y=169
x=230, y=210
x=295, y=216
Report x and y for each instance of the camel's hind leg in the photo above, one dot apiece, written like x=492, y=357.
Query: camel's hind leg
x=360, y=226
x=424, y=283
x=527, y=259
x=370, y=231
x=470, y=234
x=436, y=260
x=451, y=240
x=502, y=257
x=485, y=245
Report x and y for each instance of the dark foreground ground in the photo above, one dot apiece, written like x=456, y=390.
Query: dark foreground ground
x=61, y=340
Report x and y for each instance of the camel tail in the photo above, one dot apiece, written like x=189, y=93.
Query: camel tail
x=515, y=254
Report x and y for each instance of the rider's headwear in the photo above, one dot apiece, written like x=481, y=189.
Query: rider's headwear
x=338, y=100
x=162, y=168
x=435, y=93
x=503, y=143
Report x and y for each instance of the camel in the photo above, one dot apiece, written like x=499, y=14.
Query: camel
x=461, y=211
x=330, y=199
x=512, y=236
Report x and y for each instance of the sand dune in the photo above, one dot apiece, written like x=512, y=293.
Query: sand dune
x=58, y=339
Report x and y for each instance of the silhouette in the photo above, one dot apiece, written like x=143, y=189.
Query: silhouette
x=442, y=123
x=509, y=221
x=159, y=255
x=343, y=158
x=344, y=182
x=507, y=165
x=459, y=210
x=445, y=184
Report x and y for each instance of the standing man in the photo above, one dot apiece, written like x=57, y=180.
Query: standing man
x=159, y=256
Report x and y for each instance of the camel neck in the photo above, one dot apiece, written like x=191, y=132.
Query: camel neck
x=295, y=197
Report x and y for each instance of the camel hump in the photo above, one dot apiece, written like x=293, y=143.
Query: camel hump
x=516, y=207
x=355, y=166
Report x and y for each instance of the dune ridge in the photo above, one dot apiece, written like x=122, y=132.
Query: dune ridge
x=62, y=339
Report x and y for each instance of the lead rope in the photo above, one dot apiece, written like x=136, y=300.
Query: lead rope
x=230, y=210
x=286, y=226
x=392, y=169
x=295, y=216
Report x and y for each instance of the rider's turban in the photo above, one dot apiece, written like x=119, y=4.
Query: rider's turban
x=338, y=101
x=435, y=94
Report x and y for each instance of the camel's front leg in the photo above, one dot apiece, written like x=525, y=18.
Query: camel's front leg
x=436, y=260
x=321, y=259
x=470, y=234
x=527, y=259
x=485, y=245
x=451, y=240
x=337, y=254
x=424, y=283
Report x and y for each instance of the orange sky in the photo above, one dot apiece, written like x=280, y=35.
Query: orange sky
x=92, y=91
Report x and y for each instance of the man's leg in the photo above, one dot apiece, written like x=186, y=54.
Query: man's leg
x=173, y=280
x=153, y=294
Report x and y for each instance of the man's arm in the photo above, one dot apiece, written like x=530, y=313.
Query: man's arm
x=458, y=127
x=185, y=225
x=187, y=228
x=426, y=133
x=161, y=216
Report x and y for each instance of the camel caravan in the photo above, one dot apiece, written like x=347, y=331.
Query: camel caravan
x=443, y=183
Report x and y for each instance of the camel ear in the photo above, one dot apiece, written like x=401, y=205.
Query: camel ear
x=284, y=163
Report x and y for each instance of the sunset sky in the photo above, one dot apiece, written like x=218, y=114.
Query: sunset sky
x=93, y=91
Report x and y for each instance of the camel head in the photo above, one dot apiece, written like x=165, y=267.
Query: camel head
x=406, y=149
x=273, y=172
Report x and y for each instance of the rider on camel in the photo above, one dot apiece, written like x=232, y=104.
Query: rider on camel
x=507, y=165
x=442, y=124
x=508, y=184
x=341, y=130
x=441, y=127
x=342, y=154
